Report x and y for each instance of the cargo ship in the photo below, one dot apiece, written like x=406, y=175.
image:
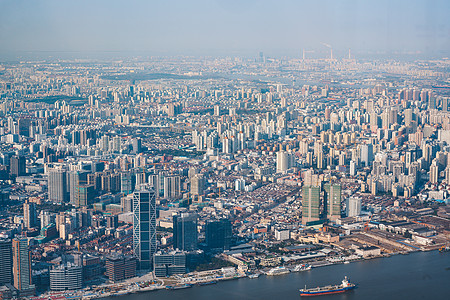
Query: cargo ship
x=330, y=289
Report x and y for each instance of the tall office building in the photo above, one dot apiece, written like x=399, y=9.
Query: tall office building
x=185, y=234
x=172, y=187
x=354, y=207
x=57, y=186
x=29, y=214
x=218, y=234
x=144, y=226
x=310, y=204
x=17, y=166
x=6, y=261
x=333, y=201
x=22, y=266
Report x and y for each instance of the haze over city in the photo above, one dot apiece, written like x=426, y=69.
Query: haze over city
x=279, y=28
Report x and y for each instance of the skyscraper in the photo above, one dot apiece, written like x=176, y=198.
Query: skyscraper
x=29, y=214
x=310, y=204
x=22, y=266
x=218, y=234
x=6, y=261
x=333, y=201
x=185, y=234
x=17, y=166
x=57, y=186
x=144, y=226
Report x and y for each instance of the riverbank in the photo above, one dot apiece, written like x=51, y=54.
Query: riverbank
x=194, y=279
x=419, y=275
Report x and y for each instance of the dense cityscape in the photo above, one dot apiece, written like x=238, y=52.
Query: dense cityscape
x=154, y=173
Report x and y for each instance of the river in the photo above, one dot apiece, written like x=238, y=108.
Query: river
x=420, y=275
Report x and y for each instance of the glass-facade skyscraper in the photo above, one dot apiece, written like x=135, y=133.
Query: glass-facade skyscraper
x=333, y=201
x=22, y=266
x=5, y=261
x=311, y=204
x=218, y=234
x=185, y=234
x=144, y=226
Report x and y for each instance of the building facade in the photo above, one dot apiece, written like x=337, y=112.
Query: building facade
x=66, y=277
x=333, y=201
x=144, y=226
x=6, y=261
x=310, y=204
x=22, y=266
x=185, y=233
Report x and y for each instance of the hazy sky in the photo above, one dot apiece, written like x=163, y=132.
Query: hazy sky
x=224, y=27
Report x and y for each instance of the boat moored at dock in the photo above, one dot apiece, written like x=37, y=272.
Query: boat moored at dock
x=301, y=267
x=277, y=271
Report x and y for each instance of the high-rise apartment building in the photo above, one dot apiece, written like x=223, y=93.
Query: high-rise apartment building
x=144, y=226
x=77, y=179
x=353, y=207
x=285, y=160
x=197, y=184
x=366, y=154
x=172, y=187
x=434, y=172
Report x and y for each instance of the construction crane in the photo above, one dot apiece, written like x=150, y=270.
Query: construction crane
x=366, y=225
